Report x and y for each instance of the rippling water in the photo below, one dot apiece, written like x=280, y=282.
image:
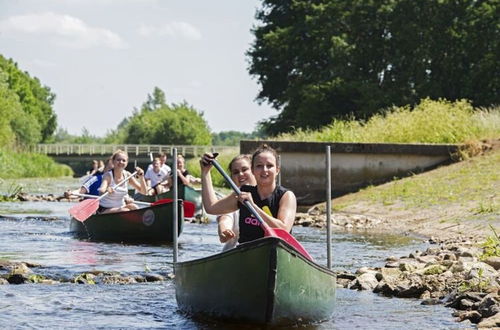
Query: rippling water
x=28, y=237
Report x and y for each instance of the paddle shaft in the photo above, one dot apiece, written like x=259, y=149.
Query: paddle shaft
x=119, y=184
x=94, y=196
x=238, y=192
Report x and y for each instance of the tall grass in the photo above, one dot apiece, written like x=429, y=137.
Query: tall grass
x=430, y=121
x=193, y=166
x=30, y=165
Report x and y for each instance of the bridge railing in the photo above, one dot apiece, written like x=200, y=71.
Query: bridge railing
x=131, y=149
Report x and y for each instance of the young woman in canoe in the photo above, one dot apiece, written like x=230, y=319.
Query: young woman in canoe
x=118, y=200
x=92, y=185
x=155, y=178
x=228, y=226
x=275, y=204
x=183, y=176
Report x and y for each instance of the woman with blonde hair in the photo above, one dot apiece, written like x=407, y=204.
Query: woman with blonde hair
x=118, y=200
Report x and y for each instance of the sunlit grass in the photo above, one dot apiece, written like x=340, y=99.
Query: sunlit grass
x=193, y=166
x=475, y=181
x=429, y=122
x=30, y=165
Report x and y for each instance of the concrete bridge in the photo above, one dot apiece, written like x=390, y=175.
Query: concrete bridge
x=80, y=156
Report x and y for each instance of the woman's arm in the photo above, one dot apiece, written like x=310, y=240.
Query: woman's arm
x=106, y=179
x=139, y=184
x=184, y=179
x=225, y=228
x=211, y=204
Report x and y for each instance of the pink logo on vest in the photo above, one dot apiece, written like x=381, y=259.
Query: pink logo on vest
x=252, y=221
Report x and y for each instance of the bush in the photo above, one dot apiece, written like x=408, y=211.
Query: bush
x=30, y=165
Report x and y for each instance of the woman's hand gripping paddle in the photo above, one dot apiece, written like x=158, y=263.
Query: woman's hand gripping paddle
x=189, y=207
x=268, y=231
x=83, y=210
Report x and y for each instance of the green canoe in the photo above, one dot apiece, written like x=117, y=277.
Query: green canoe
x=265, y=281
x=149, y=224
x=185, y=192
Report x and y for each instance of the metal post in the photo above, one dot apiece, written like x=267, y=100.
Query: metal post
x=328, y=208
x=279, y=174
x=175, y=202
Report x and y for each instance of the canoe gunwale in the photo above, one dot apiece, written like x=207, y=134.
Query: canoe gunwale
x=252, y=244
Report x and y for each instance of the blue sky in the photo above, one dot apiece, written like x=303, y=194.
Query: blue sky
x=102, y=57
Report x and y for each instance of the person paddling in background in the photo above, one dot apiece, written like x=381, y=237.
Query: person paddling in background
x=91, y=186
x=275, y=204
x=165, y=171
x=241, y=174
x=118, y=200
x=94, y=169
x=155, y=178
x=183, y=176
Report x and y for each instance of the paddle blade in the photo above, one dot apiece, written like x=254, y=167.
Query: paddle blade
x=287, y=237
x=189, y=207
x=83, y=210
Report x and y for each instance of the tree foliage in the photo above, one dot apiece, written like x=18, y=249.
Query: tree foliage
x=321, y=59
x=232, y=138
x=159, y=123
x=28, y=105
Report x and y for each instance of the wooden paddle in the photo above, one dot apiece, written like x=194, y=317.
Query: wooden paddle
x=268, y=231
x=189, y=207
x=83, y=210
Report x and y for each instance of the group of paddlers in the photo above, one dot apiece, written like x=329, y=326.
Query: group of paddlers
x=254, y=174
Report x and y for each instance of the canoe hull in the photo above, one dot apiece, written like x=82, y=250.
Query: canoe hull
x=150, y=224
x=265, y=281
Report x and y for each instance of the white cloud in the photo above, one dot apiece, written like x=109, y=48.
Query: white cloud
x=181, y=30
x=67, y=30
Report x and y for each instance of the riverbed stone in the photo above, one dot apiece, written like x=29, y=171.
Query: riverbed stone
x=428, y=259
x=493, y=262
x=117, y=279
x=3, y=281
x=488, y=306
x=432, y=270
x=490, y=322
x=479, y=270
x=473, y=316
x=17, y=279
x=391, y=274
x=154, y=277
x=366, y=281
x=431, y=301
x=386, y=289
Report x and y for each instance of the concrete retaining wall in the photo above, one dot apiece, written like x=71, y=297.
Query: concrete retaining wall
x=353, y=165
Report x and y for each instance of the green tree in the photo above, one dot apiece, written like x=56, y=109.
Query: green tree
x=9, y=107
x=321, y=59
x=36, y=103
x=160, y=123
x=232, y=138
x=155, y=101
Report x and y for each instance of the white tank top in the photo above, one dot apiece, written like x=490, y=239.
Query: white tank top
x=117, y=198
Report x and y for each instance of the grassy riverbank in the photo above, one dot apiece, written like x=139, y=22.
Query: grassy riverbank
x=429, y=122
x=459, y=199
x=15, y=165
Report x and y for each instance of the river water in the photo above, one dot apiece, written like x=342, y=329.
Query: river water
x=38, y=232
